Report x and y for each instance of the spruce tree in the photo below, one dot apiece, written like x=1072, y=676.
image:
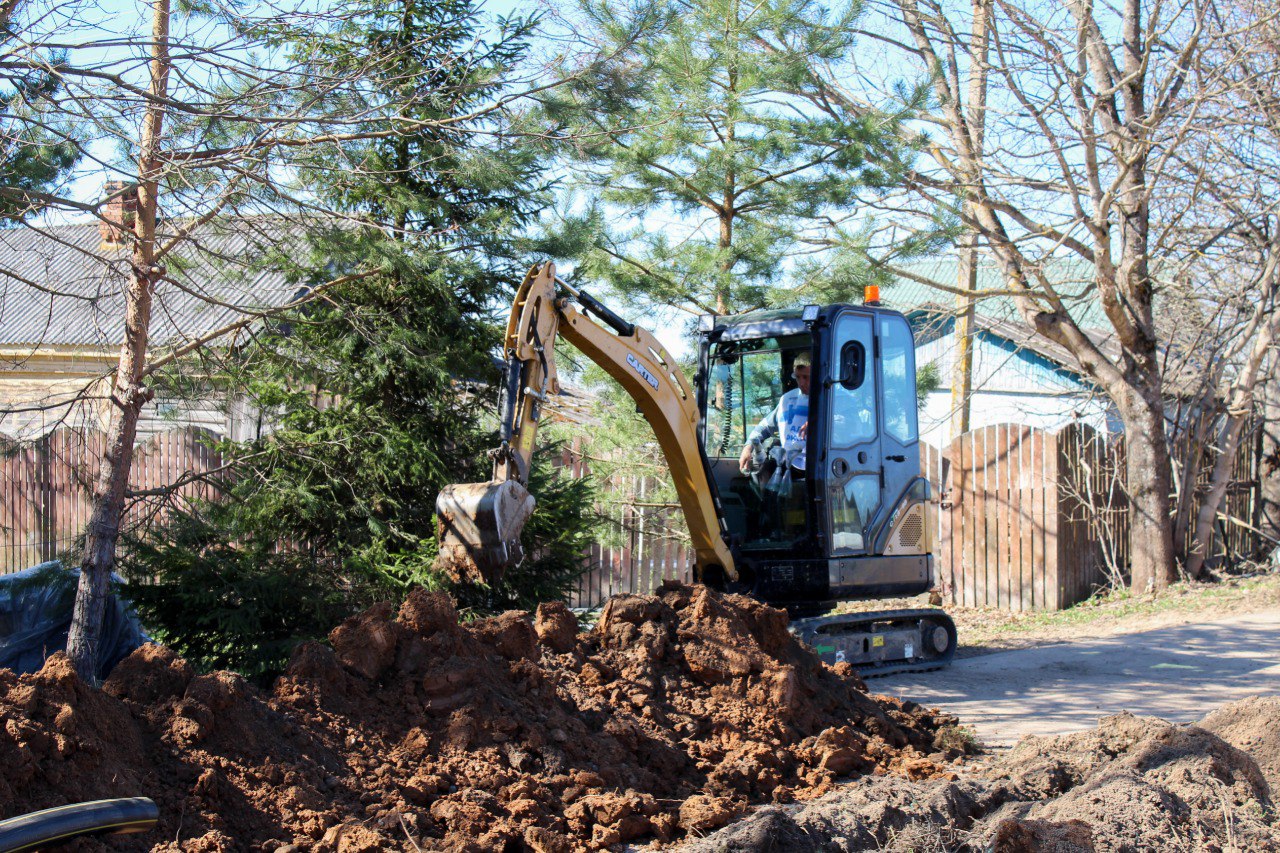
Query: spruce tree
x=379, y=393
x=38, y=149
x=372, y=383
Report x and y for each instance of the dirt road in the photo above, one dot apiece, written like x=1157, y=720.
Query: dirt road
x=1179, y=672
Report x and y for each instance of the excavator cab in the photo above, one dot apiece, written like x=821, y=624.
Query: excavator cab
x=836, y=510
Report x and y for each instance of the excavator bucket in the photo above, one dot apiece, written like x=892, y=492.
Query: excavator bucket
x=479, y=528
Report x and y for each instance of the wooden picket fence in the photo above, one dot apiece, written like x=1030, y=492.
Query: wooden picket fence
x=642, y=538
x=45, y=487
x=1027, y=519
x=1031, y=520
x=1236, y=534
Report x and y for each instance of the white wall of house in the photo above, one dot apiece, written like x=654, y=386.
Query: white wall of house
x=1009, y=386
x=43, y=393
x=996, y=407
x=163, y=414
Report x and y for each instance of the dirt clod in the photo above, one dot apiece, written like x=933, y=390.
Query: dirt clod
x=1024, y=836
x=700, y=813
x=556, y=625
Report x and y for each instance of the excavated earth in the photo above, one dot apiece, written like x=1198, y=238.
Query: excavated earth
x=1132, y=784
x=408, y=730
x=682, y=719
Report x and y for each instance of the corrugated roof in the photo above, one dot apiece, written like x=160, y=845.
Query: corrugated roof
x=932, y=320
x=1072, y=279
x=60, y=286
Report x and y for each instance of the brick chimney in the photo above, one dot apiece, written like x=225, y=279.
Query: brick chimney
x=119, y=206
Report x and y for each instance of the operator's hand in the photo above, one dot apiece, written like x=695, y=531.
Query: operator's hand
x=804, y=430
x=744, y=461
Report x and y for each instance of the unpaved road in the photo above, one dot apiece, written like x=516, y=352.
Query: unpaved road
x=1179, y=672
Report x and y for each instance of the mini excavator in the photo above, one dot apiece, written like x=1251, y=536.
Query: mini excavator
x=855, y=524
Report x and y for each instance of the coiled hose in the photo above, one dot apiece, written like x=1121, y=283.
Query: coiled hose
x=54, y=826
x=726, y=425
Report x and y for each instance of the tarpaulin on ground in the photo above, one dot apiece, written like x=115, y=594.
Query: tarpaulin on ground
x=35, y=617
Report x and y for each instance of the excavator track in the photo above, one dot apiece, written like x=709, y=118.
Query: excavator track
x=882, y=642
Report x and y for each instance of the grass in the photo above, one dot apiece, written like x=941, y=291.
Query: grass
x=957, y=740
x=1108, y=612
x=1118, y=609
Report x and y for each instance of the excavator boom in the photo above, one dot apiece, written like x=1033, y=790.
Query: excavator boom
x=479, y=524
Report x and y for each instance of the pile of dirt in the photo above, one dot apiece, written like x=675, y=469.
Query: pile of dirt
x=1252, y=725
x=410, y=730
x=1131, y=784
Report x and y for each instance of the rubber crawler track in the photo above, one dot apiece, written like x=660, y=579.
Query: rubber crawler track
x=807, y=628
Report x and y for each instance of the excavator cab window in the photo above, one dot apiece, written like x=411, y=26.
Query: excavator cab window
x=752, y=391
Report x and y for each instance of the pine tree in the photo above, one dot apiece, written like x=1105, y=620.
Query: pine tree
x=33, y=155
x=698, y=134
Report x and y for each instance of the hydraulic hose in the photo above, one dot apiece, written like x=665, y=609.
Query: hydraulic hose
x=54, y=826
x=726, y=426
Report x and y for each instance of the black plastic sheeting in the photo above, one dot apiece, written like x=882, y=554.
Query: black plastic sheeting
x=35, y=616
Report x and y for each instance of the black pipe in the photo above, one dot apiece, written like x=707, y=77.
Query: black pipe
x=54, y=826
x=618, y=324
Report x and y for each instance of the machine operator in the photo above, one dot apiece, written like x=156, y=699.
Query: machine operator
x=789, y=421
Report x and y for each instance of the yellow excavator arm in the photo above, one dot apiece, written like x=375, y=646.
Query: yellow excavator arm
x=480, y=523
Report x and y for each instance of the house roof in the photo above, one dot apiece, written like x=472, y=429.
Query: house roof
x=60, y=286
x=1073, y=280
x=932, y=319
x=1181, y=377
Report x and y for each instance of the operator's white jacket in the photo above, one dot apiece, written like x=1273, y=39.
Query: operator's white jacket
x=791, y=413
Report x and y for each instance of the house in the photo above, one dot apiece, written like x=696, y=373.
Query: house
x=62, y=319
x=1018, y=375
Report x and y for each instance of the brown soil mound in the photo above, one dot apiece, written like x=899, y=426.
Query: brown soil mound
x=412, y=731
x=1252, y=725
x=1132, y=784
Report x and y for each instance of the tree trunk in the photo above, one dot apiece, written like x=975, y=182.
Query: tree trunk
x=726, y=244
x=129, y=394
x=103, y=529
x=729, y=201
x=1228, y=444
x=966, y=308
x=1205, y=412
x=962, y=372
x=1241, y=406
x=1147, y=471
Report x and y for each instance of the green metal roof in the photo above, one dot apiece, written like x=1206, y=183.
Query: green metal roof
x=1071, y=278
